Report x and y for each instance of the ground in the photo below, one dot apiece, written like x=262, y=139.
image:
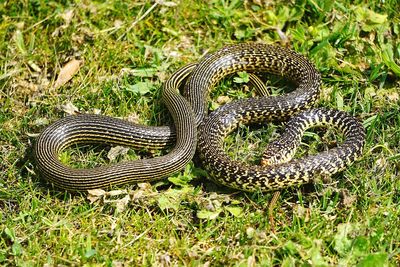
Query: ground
x=112, y=57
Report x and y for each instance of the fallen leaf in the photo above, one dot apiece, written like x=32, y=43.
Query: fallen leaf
x=67, y=16
x=347, y=198
x=144, y=191
x=34, y=66
x=95, y=194
x=223, y=99
x=118, y=23
x=166, y=3
x=41, y=122
x=133, y=117
x=117, y=263
x=145, y=186
x=250, y=231
x=96, y=111
x=251, y=261
x=122, y=203
x=70, y=108
x=92, y=199
x=116, y=152
x=282, y=35
x=381, y=163
x=393, y=96
x=302, y=212
x=67, y=72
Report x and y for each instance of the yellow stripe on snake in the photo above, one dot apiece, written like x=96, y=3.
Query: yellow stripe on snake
x=190, y=112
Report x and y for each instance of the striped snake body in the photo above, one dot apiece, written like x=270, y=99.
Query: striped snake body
x=188, y=114
x=261, y=58
x=101, y=129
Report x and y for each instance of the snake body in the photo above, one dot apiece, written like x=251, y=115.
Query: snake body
x=257, y=57
x=213, y=129
x=281, y=171
x=102, y=129
x=190, y=113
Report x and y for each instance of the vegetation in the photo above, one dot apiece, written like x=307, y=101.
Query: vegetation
x=119, y=53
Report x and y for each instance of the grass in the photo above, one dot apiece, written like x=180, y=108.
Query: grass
x=128, y=49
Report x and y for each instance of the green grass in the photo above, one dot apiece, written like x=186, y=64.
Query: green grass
x=351, y=219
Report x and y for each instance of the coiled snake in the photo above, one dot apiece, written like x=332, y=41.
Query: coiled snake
x=191, y=111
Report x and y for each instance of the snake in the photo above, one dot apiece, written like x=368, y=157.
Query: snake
x=278, y=170
x=195, y=128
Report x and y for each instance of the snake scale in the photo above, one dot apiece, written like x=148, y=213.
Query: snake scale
x=190, y=112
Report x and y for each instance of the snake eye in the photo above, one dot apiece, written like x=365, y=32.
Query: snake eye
x=278, y=158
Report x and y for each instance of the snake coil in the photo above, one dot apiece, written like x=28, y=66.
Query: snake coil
x=191, y=111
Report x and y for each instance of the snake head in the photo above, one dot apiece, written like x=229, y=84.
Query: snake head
x=276, y=153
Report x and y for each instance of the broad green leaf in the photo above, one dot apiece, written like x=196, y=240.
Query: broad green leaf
x=243, y=77
x=339, y=101
x=180, y=180
x=3, y=257
x=291, y=247
x=184, y=178
x=387, y=56
x=342, y=243
x=209, y=215
x=19, y=40
x=367, y=122
x=240, y=34
x=288, y=262
x=316, y=258
x=165, y=203
x=90, y=253
x=369, y=92
x=373, y=260
x=149, y=72
x=370, y=20
x=235, y=210
x=369, y=16
x=10, y=234
x=16, y=249
x=141, y=88
x=360, y=245
x=199, y=172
